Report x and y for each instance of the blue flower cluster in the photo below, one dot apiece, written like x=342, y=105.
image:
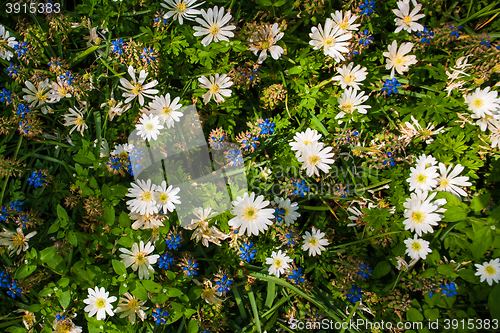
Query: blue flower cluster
x=11, y=70
x=5, y=95
x=224, y=284
x=364, y=271
x=11, y=285
x=117, y=46
x=37, y=179
x=391, y=86
x=160, y=316
x=366, y=38
x=355, y=294
x=267, y=127
x=301, y=188
x=21, y=48
x=67, y=78
x=190, y=269
x=23, y=110
x=297, y=276
x=449, y=289
x=166, y=261
x=246, y=252
x=173, y=241
x=367, y=7
x=426, y=35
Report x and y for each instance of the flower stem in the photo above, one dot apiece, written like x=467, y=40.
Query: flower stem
x=7, y=179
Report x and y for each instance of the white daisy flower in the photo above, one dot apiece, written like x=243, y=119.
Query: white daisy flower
x=346, y=22
x=315, y=156
x=144, y=198
x=99, y=302
x=426, y=161
x=265, y=172
x=216, y=87
x=265, y=40
x=131, y=306
x=314, y=242
x=422, y=178
x=415, y=130
x=75, y=117
x=396, y=59
x=138, y=88
x=123, y=150
x=139, y=258
x=489, y=271
x=65, y=325
x=201, y=229
x=10, y=41
x=251, y=214
x=290, y=213
x=484, y=102
x=303, y=139
x=483, y=122
x=38, y=96
x=333, y=40
x=166, y=110
x=421, y=214
x=351, y=101
x=166, y=198
x=210, y=293
x=356, y=215
x=151, y=221
x=417, y=248
x=350, y=76
x=214, y=26
x=181, y=9
x=406, y=20
x=16, y=241
x=115, y=108
x=279, y=263
x=59, y=90
x=494, y=127
x=450, y=182
x=149, y=127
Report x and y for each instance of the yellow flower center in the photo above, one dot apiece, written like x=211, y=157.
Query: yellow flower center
x=146, y=196
x=214, y=29
x=181, y=7
x=140, y=258
x=347, y=107
x=41, y=96
x=166, y=110
x=62, y=91
x=163, y=197
x=313, y=241
x=18, y=239
x=149, y=127
x=208, y=292
x=214, y=89
x=407, y=20
x=137, y=89
x=417, y=217
x=79, y=121
x=416, y=246
x=444, y=183
x=65, y=326
x=478, y=103
x=349, y=78
x=314, y=159
x=250, y=213
x=399, y=60
x=278, y=263
x=490, y=270
x=328, y=41
x=421, y=178
x=344, y=24
x=100, y=303
x=306, y=142
x=133, y=304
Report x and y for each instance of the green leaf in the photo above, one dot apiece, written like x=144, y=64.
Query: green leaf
x=468, y=275
x=170, y=275
x=174, y=292
x=72, y=238
x=119, y=267
x=454, y=214
x=414, y=315
x=62, y=215
x=53, y=228
x=294, y=70
x=193, y=326
x=47, y=254
x=481, y=242
x=124, y=220
x=139, y=291
x=195, y=292
x=82, y=55
x=480, y=202
x=445, y=270
x=431, y=314
x=24, y=271
x=63, y=282
x=381, y=269
x=65, y=299
x=109, y=215
x=493, y=302
x=151, y=286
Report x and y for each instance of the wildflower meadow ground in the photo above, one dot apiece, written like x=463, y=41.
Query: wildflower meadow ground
x=249, y=166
